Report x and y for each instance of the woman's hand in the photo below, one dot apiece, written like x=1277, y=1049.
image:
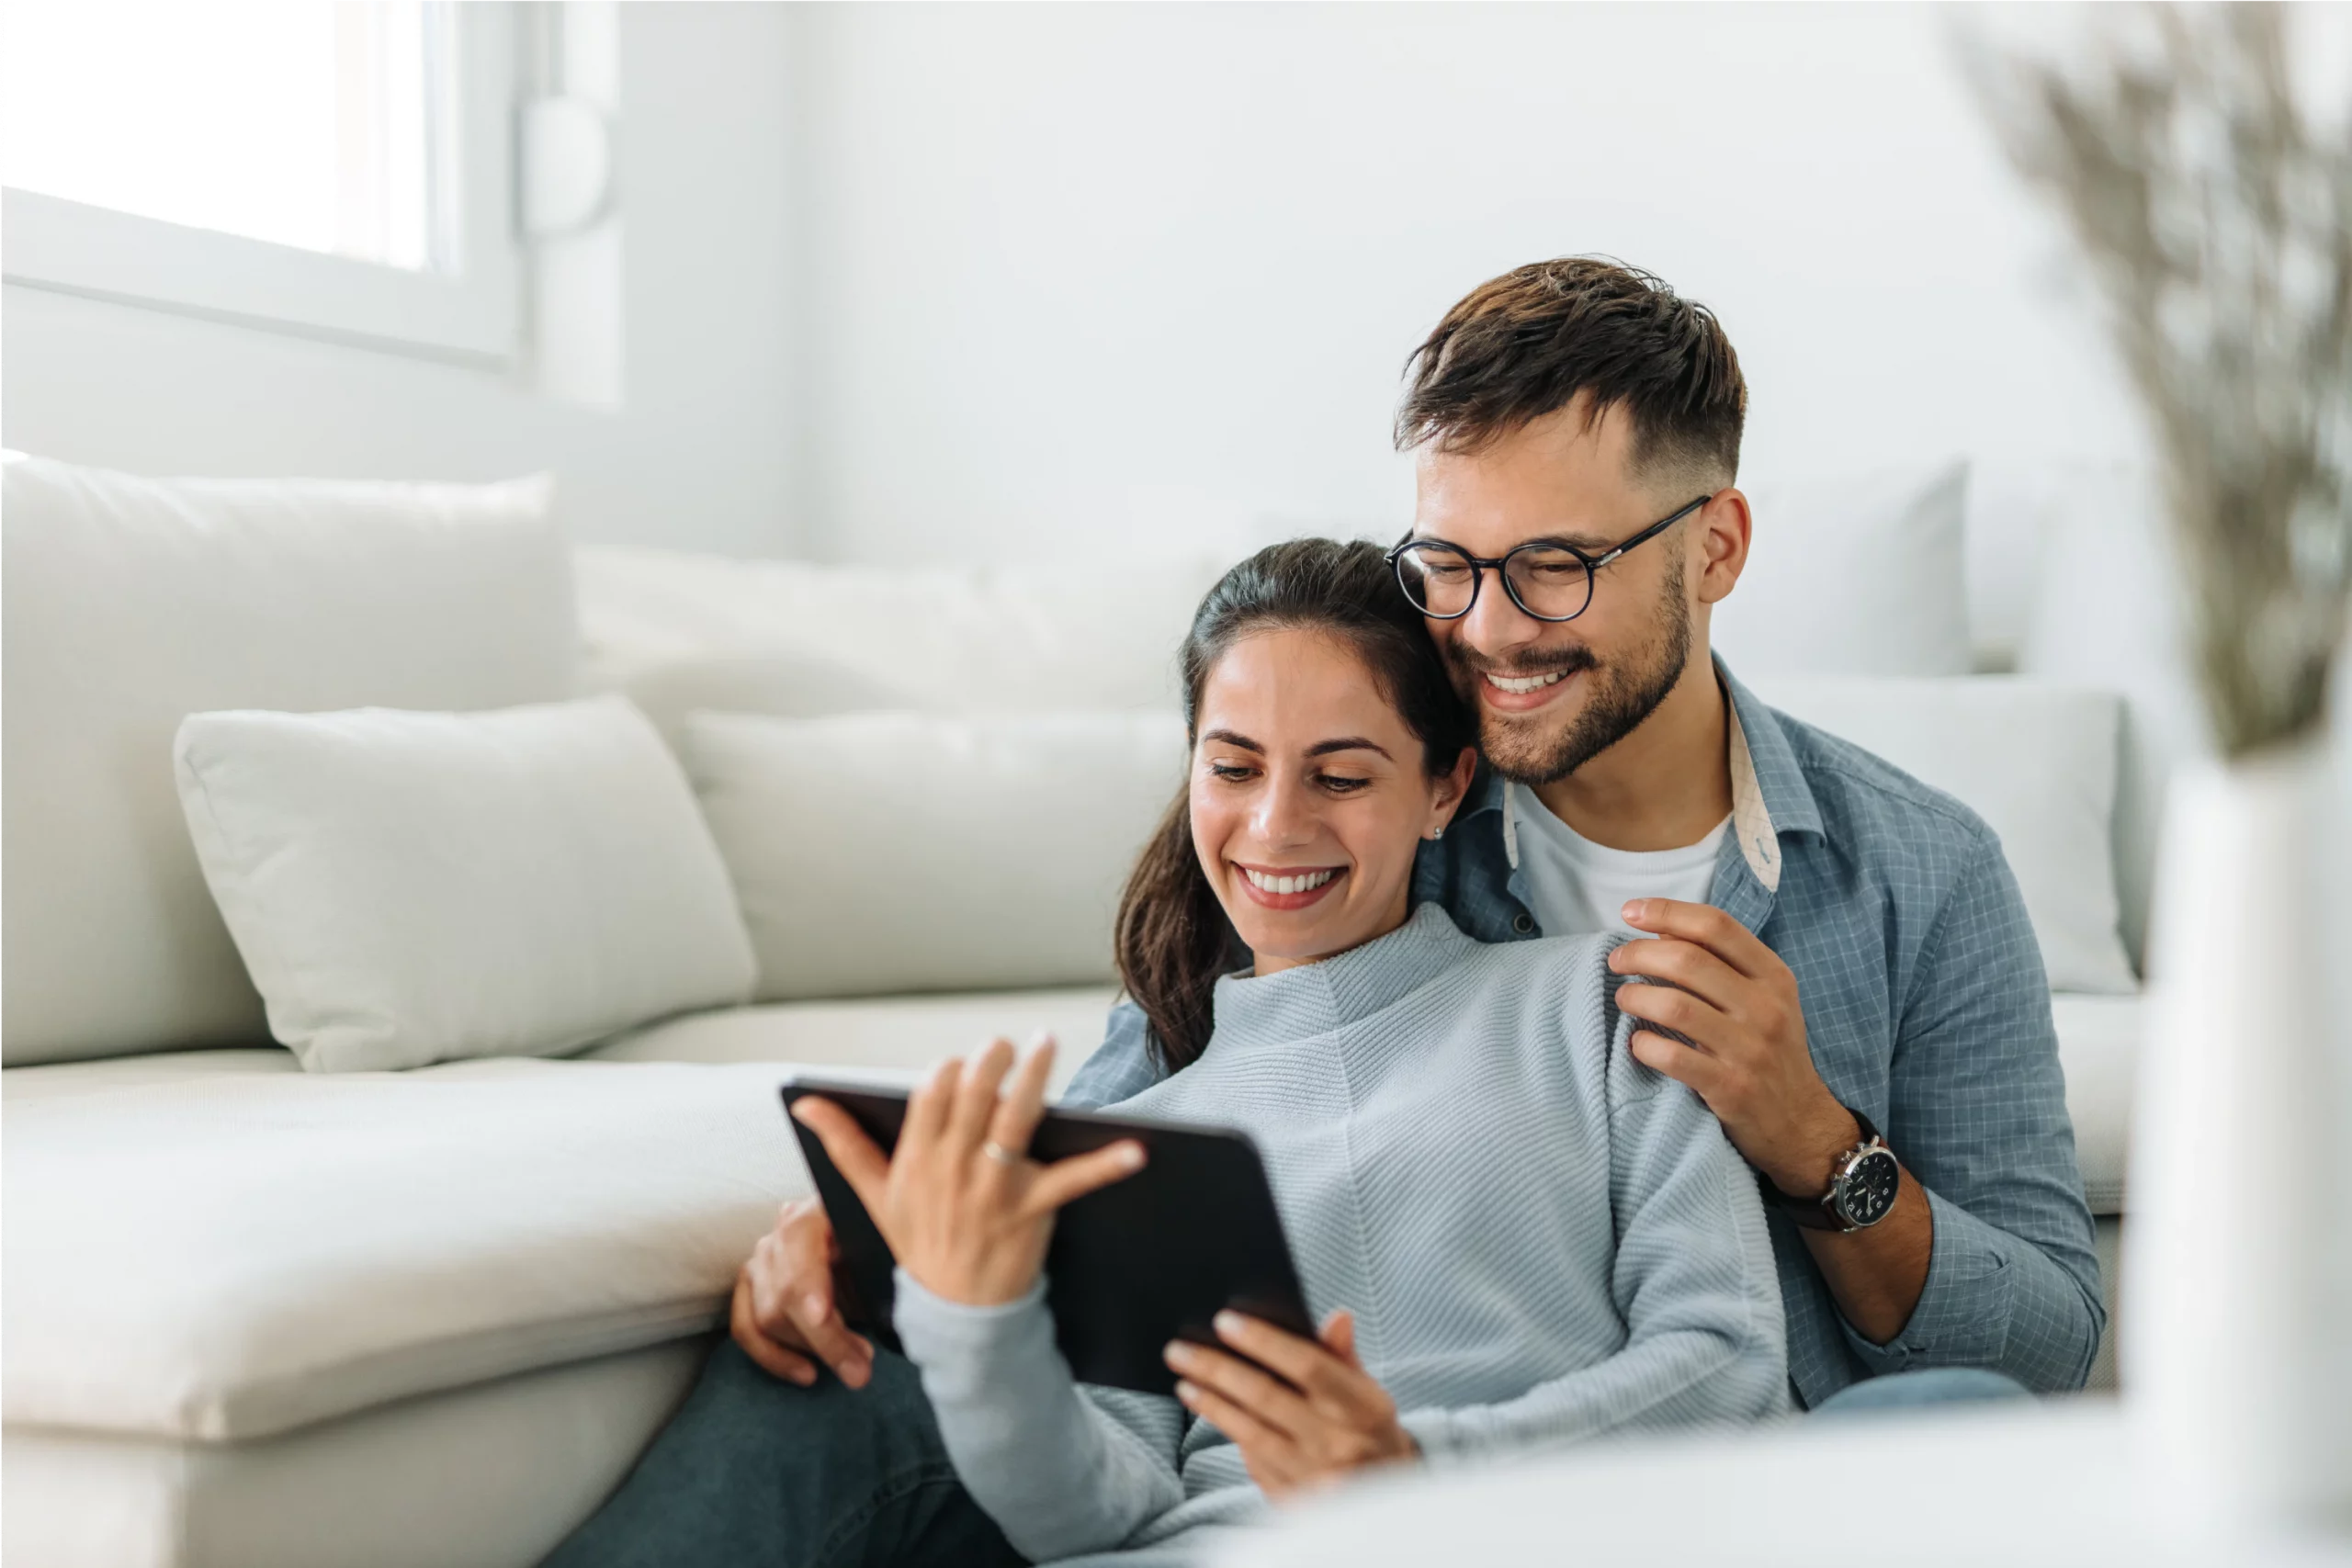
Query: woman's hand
x=964, y=1209
x=1330, y=1418
x=783, y=1313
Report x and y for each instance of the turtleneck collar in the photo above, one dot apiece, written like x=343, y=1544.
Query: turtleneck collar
x=1332, y=993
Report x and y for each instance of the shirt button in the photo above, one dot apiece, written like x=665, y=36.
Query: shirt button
x=1522, y=924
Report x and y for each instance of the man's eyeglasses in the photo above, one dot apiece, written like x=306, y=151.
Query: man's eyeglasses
x=1548, y=579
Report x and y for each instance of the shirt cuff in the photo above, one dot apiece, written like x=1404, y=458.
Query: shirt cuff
x=1963, y=1318
x=1438, y=1436
x=934, y=1329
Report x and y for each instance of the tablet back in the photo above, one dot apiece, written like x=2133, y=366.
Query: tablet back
x=1131, y=1266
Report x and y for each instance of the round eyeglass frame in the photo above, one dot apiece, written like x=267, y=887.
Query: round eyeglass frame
x=1500, y=565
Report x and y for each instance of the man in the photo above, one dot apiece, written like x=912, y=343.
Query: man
x=1846, y=955
x=1845, y=952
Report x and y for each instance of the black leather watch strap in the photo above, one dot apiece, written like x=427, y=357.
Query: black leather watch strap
x=1813, y=1212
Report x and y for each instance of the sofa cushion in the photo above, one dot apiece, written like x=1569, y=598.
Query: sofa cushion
x=798, y=638
x=1853, y=575
x=411, y=887
x=2036, y=760
x=132, y=602
x=884, y=852
x=215, y=1244
x=231, y=1254
x=905, y=1034
x=2099, y=1047
x=494, y=1475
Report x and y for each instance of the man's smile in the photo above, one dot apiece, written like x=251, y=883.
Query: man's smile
x=1521, y=693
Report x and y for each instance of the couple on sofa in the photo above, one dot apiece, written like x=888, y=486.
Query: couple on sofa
x=1527, y=1179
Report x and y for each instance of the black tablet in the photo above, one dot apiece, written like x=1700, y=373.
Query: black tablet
x=1147, y=1259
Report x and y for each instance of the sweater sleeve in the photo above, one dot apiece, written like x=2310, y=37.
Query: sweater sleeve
x=1060, y=1473
x=1706, y=1343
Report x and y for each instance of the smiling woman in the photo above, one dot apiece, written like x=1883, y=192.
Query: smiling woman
x=1327, y=742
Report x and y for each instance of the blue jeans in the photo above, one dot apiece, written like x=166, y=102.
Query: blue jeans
x=757, y=1471
x=1932, y=1386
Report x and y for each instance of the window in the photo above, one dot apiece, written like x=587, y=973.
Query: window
x=336, y=170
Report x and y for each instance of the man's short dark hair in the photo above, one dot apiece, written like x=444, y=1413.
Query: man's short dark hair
x=1524, y=346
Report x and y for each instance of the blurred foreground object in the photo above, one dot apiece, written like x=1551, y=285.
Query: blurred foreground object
x=2217, y=219
x=2216, y=215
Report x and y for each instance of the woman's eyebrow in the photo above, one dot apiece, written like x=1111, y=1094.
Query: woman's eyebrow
x=1233, y=739
x=1347, y=743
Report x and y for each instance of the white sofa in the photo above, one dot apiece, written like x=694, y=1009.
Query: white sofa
x=258, y=1316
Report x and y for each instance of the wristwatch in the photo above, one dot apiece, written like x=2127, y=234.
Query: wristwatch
x=1862, y=1184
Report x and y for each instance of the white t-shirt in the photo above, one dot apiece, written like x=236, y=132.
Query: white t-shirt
x=1576, y=888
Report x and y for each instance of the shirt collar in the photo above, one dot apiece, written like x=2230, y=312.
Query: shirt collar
x=1769, y=793
x=1314, y=999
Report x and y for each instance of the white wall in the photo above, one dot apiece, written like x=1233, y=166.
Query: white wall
x=698, y=456
x=1107, y=275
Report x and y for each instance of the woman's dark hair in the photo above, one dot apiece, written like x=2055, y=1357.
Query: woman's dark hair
x=1172, y=936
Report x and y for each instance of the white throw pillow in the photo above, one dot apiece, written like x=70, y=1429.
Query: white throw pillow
x=409, y=887
x=132, y=603
x=2036, y=761
x=2111, y=610
x=896, y=851
x=1863, y=575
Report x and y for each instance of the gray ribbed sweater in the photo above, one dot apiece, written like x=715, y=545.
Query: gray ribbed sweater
x=1542, y=1241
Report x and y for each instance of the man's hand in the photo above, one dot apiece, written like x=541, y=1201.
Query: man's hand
x=1327, y=1419
x=964, y=1208
x=783, y=1310
x=1737, y=1004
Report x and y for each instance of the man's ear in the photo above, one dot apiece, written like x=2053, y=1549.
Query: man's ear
x=1720, y=533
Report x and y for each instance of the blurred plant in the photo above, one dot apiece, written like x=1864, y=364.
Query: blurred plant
x=2217, y=219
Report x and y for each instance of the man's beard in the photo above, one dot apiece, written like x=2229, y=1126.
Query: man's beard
x=1620, y=695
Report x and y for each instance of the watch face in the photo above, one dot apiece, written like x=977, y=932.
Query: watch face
x=1867, y=1191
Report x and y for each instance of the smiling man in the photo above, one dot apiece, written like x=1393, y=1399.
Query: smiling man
x=1849, y=979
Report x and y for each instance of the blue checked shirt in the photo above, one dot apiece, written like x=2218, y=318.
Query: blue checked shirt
x=1925, y=1007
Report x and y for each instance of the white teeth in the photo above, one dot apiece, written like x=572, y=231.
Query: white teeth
x=1526, y=683
x=1303, y=882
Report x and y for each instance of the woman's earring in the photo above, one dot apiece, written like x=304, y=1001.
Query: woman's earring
x=1437, y=832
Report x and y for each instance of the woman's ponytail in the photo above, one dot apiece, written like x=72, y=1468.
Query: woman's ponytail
x=1173, y=939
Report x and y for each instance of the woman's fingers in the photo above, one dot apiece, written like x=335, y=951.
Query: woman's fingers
x=742, y=1324
x=1312, y=1368
x=862, y=1164
x=1273, y=1458
x=1022, y=1105
x=1252, y=1388
x=975, y=1109
x=1338, y=1336
x=928, y=1106
x=1065, y=1181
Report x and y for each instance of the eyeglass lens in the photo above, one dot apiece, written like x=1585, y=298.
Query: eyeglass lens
x=1548, y=582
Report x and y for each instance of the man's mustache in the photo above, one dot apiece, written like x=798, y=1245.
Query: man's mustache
x=1536, y=661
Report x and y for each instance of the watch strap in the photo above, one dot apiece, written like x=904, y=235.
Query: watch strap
x=1818, y=1211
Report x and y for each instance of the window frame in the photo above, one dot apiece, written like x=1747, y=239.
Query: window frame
x=471, y=316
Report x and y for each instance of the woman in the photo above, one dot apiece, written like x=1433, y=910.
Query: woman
x=1529, y=1238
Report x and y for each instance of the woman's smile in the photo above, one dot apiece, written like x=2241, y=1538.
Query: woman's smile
x=1288, y=886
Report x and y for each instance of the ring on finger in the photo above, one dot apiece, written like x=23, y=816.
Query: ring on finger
x=1000, y=1154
